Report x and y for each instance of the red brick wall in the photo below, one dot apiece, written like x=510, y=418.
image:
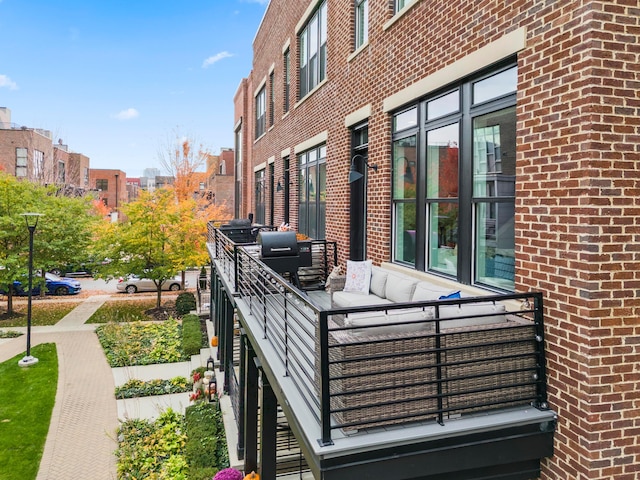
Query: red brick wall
x=578, y=187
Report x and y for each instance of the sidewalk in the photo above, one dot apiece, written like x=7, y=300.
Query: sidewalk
x=81, y=440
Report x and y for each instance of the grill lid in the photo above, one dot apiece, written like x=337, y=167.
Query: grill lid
x=278, y=244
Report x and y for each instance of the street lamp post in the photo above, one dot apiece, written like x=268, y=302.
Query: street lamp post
x=32, y=223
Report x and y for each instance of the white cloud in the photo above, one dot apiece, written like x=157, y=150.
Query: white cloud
x=213, y=59
x=127, y=114
x=7, y=82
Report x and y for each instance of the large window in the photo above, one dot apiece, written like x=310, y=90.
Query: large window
x=21, y=162
x=287, y=79
x=61, y=172
x=261, y=108
x=399, y=4
x=358, y=193
x=271, y=100
x=312, y=196
x=102, y=184
x=38, y=164
x=362, y=22
x=238, y=173
x=313, y=50
x=454, y=181
x=260, y=197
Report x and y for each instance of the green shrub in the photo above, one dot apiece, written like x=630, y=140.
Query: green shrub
x=152, y=449
x=138, y=388
x=141, y=344
x=191, y=334
x=185, y=302
x=206, y=447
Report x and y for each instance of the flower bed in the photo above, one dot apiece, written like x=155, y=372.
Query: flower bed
x=131, y=344
x=138, y=388
x=189, y=447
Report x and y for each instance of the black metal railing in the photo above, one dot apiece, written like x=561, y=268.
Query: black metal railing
x=364, y=367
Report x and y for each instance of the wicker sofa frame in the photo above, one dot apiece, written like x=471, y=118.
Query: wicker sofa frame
x=437, y=374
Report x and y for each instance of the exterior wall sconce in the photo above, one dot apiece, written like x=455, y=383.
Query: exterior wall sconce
x=280, y=186
x=354, y=175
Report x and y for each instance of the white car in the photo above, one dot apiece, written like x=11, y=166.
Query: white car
x=133, y=284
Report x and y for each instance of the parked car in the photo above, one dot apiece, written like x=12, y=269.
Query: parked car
x=133, y=284
x=83, y=269
x=55, y=285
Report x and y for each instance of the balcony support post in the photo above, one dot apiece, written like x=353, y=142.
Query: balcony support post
x=250, y=420
x=268, y=430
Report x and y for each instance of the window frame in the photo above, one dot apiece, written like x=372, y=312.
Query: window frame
x=467, y=225
x=312, y=50
x=361, y=9
x=312, y=163
x=261, y=112
x=286, y=70
x=271, y=100
x=22, y=156
x=100, y=182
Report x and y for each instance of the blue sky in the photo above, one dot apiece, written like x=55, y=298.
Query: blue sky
x=117, y=80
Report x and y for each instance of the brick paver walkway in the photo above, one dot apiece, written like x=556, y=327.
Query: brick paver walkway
x=81, y=440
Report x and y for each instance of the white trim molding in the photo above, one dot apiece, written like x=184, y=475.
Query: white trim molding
x=311, y=142
x=358, y=116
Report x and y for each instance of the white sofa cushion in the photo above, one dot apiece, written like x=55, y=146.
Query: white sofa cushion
x=399, y=288
x=426, y=292
x=358, y=277
x=488, y=313
x=391, y=321
x=378, y=281
x=344, y=299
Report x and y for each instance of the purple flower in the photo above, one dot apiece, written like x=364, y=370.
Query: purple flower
x=228, y=474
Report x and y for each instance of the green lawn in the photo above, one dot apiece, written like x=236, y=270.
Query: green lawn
x=28, y=395
x=123, y=311
x=44, y=313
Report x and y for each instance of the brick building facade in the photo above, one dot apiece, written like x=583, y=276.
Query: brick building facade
x=111, y=187
x=504, y=137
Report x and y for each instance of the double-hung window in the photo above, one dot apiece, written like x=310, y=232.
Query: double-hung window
x=312, y=42
x=271, y=100
x=312, y=192
x=399, y=5
x=362, y=22
x=261, y=108
x=287, y=79
x=21, y=162
x=454, y=181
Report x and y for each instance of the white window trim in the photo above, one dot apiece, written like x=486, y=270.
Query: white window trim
x=357, y=51
x=358, y=116
x=314, y=141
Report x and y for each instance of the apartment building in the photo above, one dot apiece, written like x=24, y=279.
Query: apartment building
x=494, y=144
x=30, y=153
x=111, y=187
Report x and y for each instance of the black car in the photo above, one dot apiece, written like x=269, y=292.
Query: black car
x=84, y=269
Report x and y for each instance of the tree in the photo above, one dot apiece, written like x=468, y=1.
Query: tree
x=144, y=244
x=183, y=160
x=63, y=234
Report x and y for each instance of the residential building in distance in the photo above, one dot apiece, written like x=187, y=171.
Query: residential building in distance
x=111, y=187
x=492, y=147
x=29, y=153
x=133, y=189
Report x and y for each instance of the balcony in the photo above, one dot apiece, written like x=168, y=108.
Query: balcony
x=431, y=401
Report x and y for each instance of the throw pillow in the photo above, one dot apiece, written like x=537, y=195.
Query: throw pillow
x=450, y=296
x=358, y=277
